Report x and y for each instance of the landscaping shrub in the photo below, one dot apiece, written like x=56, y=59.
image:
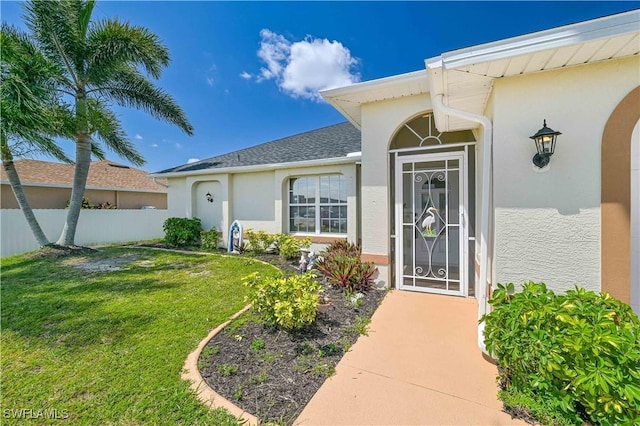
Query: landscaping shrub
x=86, y=203
x=209, y=239
x=578, y=352
x=342, y=266
x=105, y=206
x=289, y=246
x=259, y=241
x=180, y=231
x=289, y=302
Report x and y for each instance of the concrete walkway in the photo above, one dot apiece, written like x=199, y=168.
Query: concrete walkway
x=420, y=365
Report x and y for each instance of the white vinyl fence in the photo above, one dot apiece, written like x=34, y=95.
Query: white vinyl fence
x=94, y=227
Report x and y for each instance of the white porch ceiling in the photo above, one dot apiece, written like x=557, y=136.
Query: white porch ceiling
x=465, y=77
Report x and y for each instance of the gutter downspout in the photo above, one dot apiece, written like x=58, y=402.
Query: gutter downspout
x=484, y=215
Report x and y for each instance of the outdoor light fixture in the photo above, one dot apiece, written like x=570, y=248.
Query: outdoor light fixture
x=545, y=140
x=209, y=197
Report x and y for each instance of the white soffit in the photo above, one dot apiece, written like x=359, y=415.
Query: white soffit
x=465, y=76
x=348, y=100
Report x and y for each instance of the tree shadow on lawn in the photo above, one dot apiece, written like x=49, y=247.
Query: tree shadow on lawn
x=72, y=324
x=72, y=312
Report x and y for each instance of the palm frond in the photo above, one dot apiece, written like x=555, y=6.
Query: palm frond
x=55, y=25
x=113, y=43
x=105, y=126
x=84, y=16
x=130, y=89
x=97, y=151
x=28, y=101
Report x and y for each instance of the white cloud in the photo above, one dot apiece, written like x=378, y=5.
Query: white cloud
x=192, y=160
x=274, y=51
x=210, y=81
x=138, y=137
x=303, y=68
x=245, y=75
x=178, y=145
x=155, y=145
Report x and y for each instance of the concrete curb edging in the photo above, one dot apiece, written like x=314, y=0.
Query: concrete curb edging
x=204, y=393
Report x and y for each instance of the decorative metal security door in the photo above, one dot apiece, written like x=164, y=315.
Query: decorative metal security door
x=430, y=225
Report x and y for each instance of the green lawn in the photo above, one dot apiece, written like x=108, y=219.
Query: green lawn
x=107, y=347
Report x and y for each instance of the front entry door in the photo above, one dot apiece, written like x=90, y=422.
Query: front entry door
x=431, y=234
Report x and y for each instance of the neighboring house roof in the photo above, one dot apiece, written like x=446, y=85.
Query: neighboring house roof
x=329, y=142
x=465, y=77
x=105, y=174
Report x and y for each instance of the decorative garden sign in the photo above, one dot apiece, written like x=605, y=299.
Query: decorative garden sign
x=235, y=237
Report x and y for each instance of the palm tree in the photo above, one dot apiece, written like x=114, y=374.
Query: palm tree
x=31, y=115
x=99, y=63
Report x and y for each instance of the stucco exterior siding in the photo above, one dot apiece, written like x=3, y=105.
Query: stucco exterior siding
x=635, y=219
x=43, y=197
x=38, y=197
x=136, y=200
x=257, y=199
x=380, y=121
x=547, y=222
x=177, y=198
x=253, y=201
x=543, y=246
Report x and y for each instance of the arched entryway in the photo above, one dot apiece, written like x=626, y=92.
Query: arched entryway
x=208, y=208
x=616, y=212
x=433, y=220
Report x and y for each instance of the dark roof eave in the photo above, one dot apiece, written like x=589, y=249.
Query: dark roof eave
x=262, y=167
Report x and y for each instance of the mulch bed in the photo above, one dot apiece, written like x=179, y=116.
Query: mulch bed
x=273, y=373
x=55, y=251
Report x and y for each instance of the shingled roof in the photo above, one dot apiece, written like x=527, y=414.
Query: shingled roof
x=328, y=142
x=102, y=175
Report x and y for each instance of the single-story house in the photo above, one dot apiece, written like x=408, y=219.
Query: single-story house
x=441, y=185
x=47, y=185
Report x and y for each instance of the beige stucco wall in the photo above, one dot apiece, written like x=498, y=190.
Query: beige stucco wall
x=136, y=200
x=38, y=197
x=380, y=121
x=635, y=219
x=177, y=196
x=547, y=223
x=56, y=198
x=253, y=201
x=257, y=199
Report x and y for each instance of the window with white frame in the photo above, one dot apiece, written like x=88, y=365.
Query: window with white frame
x=318, y=204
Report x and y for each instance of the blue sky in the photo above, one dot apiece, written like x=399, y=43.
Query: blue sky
x=249, y=72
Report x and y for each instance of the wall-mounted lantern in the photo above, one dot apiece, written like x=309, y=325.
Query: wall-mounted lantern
x=545, y=140
x=209, y=197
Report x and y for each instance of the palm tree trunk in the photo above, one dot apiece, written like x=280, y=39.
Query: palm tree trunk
x=16, y=186
x=81, y=172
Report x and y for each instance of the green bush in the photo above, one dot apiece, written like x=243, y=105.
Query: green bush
x=209, y=239
x=86, y=203
x=259, y=241
x=180, y=231
x=289, y=246
x=578, y=352
x=342, y=266
x=289, y=302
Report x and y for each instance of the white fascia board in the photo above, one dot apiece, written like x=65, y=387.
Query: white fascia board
x=435, y=75
x=366, y=86
x=554, y=38
x=349, y=99
x=261, y=167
